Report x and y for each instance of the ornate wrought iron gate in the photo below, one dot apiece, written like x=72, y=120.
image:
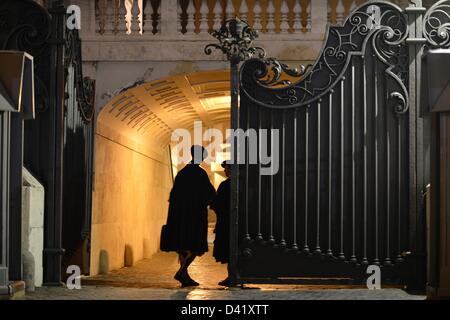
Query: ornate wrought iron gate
x=58, y=145
x=348, y=190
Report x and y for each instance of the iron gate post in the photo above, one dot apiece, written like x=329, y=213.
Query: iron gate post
x=417, y=164
x=235, y=41
x=232, y=265
x=53, y=251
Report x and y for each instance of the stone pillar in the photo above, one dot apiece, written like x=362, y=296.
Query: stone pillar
x=169, y=18
x=319, y=16
x=32, y=230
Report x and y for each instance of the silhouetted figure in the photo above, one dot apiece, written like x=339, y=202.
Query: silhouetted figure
x=187, y=221
x=221, y=205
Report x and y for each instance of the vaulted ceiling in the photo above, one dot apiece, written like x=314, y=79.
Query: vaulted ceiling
x=147, y=115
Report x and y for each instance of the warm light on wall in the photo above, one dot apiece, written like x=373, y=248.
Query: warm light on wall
x=216, y=103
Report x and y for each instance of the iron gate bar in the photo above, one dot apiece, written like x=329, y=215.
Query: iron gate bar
x=306, y=247
x=283, y=146
x=376, y=260
x=259, y=235
x=353, y=257
x=399, y=202
x=319, y=104
x=272, y=141
x=330, y=149
x=387, y=260
x=365, y=260
x=247, y=158
x=234, y=185
x=342, y=254
x=295, y=245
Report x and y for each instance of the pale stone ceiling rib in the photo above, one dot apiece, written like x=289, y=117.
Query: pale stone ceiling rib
x=150, y=112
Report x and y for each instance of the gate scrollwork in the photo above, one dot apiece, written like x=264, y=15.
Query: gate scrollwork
x=26, y=26
x=381, y=25
x=85, y=86
x=437, y=25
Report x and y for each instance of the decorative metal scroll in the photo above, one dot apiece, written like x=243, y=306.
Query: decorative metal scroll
x=85, y=87
x=26, y=29
x=379, y=24
x=235, y=41
x=26, y=26
x=437, y=25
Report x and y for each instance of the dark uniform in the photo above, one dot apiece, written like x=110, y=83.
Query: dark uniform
x=221, y=205
x=187, y=221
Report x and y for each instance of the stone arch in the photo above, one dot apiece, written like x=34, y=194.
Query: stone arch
x=133, y=168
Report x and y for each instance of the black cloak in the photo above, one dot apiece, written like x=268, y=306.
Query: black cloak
x=187, y=221
x=221, y=205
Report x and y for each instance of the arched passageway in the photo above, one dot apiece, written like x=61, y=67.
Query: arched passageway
x=133, y=165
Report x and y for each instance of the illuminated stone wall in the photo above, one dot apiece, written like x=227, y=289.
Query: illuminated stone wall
x=133, y=175
x=130, y=204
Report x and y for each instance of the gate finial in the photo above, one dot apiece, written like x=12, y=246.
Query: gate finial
x=235, y=40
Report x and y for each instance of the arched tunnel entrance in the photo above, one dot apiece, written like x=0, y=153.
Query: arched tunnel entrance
x=134, y=167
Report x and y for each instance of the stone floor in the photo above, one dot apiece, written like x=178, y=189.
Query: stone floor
x=152, y=279
x=126, y=293
x=158, y=272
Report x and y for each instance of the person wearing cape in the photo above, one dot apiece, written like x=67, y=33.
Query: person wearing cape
x=221, y=206
x=187, y=221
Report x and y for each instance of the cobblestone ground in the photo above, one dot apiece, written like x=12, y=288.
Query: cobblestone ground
x=158, y=272
x=152, y=279
x=123, y=293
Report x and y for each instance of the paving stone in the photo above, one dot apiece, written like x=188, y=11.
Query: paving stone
x=124, y=293
x=152, y=279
